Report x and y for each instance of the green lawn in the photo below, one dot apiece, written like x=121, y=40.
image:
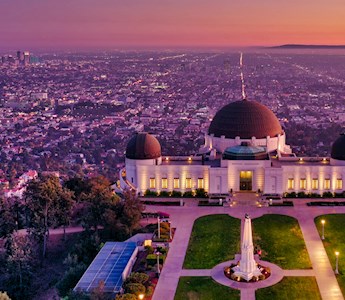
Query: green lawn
x=203, y=288
x=214, y=239
x=301, y=288
x=334, y=241
x=281, y=241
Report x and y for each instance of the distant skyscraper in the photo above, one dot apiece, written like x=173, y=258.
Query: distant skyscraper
x=20, y=56
x=26, y=58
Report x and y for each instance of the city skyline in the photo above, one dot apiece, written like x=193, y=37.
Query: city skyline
x=105, y=24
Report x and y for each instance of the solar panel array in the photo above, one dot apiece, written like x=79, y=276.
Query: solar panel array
x=108, y=266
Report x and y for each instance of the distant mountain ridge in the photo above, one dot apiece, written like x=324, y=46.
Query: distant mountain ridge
x=301, y=46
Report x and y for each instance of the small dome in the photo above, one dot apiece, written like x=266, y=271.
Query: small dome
x=338, y=148
x=245, y=152
x=143, y=146
x=245, y=119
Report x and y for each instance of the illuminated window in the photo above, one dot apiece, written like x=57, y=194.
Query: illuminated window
x=200, y=183
x=303, y=184
x=152, y=183
x=176, y=183
x=164, y=183
x=315, y=184
x=339, y=184
x=188, y=183
x=291, y=184
x=327, y=184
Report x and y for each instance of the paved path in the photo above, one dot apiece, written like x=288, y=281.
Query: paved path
x=183, y=219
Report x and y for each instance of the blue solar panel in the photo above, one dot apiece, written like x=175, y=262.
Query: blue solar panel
x=108, y=266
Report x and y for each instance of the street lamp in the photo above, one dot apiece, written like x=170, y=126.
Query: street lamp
x=336, y=262
x=170, y=233
x=323, y=229
x=141, y=296
x=159, y=227
x=158, y=270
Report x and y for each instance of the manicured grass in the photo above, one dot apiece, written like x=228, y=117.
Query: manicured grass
x=281, y=241
x=214, y=239
x=203, y=288
x=334, y=241
x=301, y=288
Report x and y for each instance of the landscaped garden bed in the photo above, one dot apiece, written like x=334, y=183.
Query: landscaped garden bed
x=162, y=202
x=281, y=241
x=203, y=288
x=214, y=239
x=325, y=203
x=284, y=203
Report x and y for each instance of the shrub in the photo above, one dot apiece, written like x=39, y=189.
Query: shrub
x=149, y=249
x=327, y=195
x=262, y=277
x=70, y=279
x=135, y=288
x=151, y=259
x=290, y=195
x=164, y=194
x=302, y=195
x=137, y=277
x=188, y=194
x=126, y=297
x=149, y=291
x=176, y=194
x=315, y=195
x=149, y=193
x=201, y=193
x=338, y=195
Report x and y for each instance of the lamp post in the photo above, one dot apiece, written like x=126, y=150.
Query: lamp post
x=141, y=296
x=170, y=235
x=159, y=229
x=336, y=263
x=323, y=229
x=158, y=269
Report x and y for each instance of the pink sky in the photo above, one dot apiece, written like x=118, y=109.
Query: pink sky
x=168, y=23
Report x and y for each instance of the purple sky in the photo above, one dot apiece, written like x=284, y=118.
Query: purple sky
x=33, y=24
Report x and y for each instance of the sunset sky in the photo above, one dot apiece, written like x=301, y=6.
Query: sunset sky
x=169, y=23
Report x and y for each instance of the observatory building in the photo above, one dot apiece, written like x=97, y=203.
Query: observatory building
x=245, y=150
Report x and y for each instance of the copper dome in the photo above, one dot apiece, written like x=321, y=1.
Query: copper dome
x=338, y=148
x=245, y=119
x=143, y=146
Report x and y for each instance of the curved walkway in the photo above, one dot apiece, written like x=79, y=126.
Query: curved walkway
x=183, y=219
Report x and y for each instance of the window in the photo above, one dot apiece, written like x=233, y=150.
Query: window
x=303, y=184
x=188, y=183
x=315, y=184
x=339, y=184
x=291, y=184
x=327, y=184
x=152, y=183
x=176, y=183
x=200, y=183
x=164, y=183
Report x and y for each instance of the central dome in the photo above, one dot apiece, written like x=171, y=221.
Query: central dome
x=143, y=146
x=245, y=119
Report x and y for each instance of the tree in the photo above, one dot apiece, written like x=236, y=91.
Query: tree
x=19, y=261
x=63, y=209
x=129, y=211
x=98, y=198
x=46, y=200
x=7, y=219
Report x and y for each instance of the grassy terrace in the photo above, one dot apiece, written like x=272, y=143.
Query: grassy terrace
x=203, y=288
x=281, y=241
x=214, y=239
x=302, y=288
x=334, y=241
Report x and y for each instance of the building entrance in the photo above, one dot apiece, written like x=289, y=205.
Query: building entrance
x=246, y=178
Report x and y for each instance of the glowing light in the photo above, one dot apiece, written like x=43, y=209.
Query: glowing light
x=336, y=253
x=323, y=222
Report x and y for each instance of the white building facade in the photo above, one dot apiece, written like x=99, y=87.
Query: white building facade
x=244, y=150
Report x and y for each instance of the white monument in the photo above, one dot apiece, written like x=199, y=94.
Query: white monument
x=248, y=266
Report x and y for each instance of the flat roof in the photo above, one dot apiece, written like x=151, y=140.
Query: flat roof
x=108, y=266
